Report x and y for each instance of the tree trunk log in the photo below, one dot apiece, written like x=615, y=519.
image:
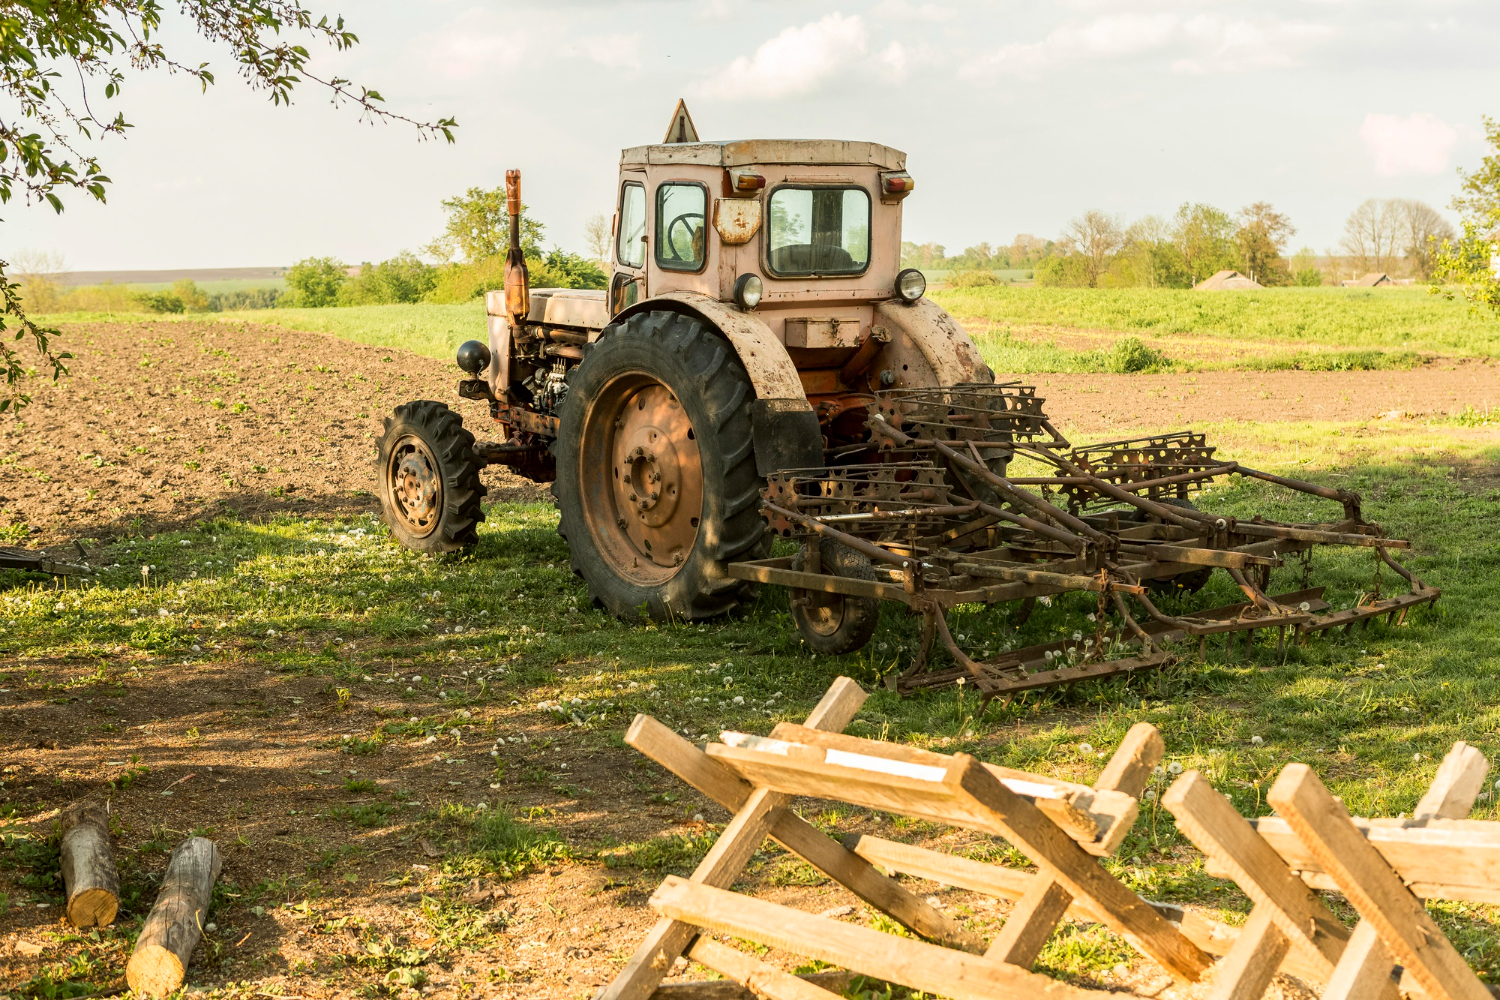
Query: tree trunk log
x=174, y=926
x=90, y=879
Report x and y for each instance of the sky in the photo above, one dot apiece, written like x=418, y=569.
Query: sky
x=1016, y=117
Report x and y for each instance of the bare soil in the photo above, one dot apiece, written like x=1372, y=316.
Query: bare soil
x=168, y=423
x=1098, y=404
x=146, y=433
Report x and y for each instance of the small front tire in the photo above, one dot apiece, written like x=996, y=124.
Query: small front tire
x=428, y=479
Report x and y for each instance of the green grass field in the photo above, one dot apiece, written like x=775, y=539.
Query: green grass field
x=1372, y=712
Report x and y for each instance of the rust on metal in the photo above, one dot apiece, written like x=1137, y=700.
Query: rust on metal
x=736, y=220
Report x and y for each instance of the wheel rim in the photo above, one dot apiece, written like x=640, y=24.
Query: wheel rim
x=824, y=613
x=642, y=478
x=416, y=486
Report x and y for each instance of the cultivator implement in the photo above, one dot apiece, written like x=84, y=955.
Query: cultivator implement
x=940, y=523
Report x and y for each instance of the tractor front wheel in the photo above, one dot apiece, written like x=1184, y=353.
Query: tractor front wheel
x=428, y=478
x=656, y=483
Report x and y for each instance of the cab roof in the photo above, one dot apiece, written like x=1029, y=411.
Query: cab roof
x=750, y=152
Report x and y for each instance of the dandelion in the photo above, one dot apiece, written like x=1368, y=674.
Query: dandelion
x=1256, y=741
x=1304, y=607
x=1416, y=756
x=1157, y=770
x=1085, y=748
x=1077, y=636
x=1174, y=768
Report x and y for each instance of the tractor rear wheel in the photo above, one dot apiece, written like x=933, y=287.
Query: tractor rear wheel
x=428, y=478
x=656, y=483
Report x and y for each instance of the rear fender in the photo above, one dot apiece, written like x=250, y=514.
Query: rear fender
x=783, y=424
x=927, y=347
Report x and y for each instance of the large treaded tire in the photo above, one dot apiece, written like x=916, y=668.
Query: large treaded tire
x=433, y=436
x=697, y=367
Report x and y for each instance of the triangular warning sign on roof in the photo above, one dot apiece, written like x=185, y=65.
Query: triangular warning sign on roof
x=681, y=129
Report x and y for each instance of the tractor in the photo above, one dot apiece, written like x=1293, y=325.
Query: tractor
x=756, y=305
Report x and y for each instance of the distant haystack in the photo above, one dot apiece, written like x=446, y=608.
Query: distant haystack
x=1226, y=281
x=1375, y=279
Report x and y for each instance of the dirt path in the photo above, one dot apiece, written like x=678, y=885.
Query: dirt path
x=166, y=423
x=1092, y=404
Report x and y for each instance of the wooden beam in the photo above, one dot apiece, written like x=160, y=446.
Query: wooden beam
x=907, y=961
x=665, y=941
x=1212, y=823
x=835, y=982
x=1008, y=815
x=1457, y=783
x=1364, y=970
x=800, y=837
x=91, y=882
x=173, y=928
x=759, y=978
x=1252, y=963
x=1374, y=889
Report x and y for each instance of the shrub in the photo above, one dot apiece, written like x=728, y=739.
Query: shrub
x=559, y=269
x=193, y=299
x=973, y=278
x=160, y=302
x=315, y=282
x=1131, y=355
x=246, y=298
x=1309, y=277
x=403, y=278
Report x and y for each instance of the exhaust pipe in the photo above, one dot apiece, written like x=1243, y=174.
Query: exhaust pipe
x=517, y=281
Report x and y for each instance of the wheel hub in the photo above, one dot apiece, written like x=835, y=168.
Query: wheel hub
x=646, y=512
x=416, y=485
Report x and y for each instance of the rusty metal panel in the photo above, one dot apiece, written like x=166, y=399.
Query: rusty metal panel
x=737, y=220
x=822, y=332
x=753, y=151
x=949, y=355
x=585, y=308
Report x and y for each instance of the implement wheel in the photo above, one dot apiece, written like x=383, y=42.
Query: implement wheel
x=836, y=623
x=656, y=484
x=428, y=478
x=1193, y=580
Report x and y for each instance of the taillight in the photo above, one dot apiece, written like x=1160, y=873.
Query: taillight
x=895, y=185
x=742, y=183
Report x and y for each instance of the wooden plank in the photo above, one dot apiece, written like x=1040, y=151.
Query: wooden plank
x=1457, y=783
x=1008, y=815
x=738, y=842
x=1037, y=913
x=1007, y=883
x=1364, y=970
x=1252, y=963
x=760, y=978
x=1212, y=823
x=909, y=962
x=1031, y=923
x=727, y=989
x=1083, y=811
x=1129, y=769
x=1374, y=889
x=800, y=837
x=1442, y=859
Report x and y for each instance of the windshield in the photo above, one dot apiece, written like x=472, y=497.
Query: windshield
x=823, y=230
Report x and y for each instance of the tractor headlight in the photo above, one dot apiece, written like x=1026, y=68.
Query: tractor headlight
x=747, y=291
x=473, y=356
x=910, y=285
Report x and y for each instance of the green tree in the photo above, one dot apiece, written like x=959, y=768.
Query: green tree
x=1262, y=238
x=62, y=60
x=1204, y=236
x=192, y=297
x=403, y=278
x=1305, y=268
x=478, y=226
x=1480, y=201
x=315, y=282
x=1472, y=262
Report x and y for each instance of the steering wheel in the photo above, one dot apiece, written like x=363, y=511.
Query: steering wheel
x=685, y=221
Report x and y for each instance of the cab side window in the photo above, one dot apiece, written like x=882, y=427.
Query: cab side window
x=681, y=211
x=630, y=249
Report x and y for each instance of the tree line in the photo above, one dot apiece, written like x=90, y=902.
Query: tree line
x=1100, y=250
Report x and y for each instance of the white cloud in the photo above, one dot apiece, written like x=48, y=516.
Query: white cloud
x=1419, y=144
x=1203, y=43
x=609, y=51
x=479, y=43
x=797, y=61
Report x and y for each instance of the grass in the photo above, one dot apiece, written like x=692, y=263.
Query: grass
x=1404, y=319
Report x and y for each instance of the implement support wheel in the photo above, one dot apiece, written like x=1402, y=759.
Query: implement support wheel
x=836, y=623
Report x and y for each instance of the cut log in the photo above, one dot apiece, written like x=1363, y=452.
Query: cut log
x=90, y=879
x=174, y=926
